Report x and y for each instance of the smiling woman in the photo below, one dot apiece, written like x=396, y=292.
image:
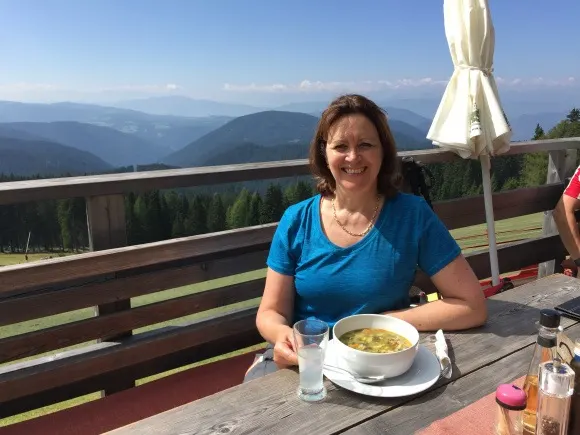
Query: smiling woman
x=355, y=247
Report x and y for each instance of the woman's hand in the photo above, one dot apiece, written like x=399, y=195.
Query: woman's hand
x=284, y=352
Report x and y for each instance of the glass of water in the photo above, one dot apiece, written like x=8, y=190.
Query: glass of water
x=311, y=340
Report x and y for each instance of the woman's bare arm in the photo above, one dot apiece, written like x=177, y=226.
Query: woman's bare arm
x=463, y=305
x=275, y=316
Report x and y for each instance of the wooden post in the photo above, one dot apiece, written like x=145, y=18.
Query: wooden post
x=107, y=230
x=561, y=164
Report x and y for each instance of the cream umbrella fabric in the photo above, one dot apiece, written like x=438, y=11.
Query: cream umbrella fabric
x=470, y=120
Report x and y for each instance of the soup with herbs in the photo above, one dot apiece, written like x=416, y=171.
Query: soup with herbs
x=375, y=340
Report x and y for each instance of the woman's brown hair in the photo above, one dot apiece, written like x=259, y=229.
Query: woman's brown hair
x=389, y=177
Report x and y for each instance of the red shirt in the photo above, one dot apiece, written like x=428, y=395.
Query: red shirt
x=573, y=188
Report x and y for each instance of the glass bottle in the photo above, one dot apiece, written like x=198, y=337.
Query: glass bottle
x=544, y=350
x=511, y=401
x=574, y=425
x=556, y=385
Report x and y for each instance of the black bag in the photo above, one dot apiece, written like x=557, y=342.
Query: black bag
x=417, y=178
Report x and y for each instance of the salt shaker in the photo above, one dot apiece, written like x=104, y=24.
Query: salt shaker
x=556, y=386
x=511, y=401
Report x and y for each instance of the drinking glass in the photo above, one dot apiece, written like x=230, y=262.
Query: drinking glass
x=311, y=340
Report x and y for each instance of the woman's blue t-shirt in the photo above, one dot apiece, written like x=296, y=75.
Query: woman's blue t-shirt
x=372, y=276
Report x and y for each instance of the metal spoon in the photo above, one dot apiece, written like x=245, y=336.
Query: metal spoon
x=358, y=378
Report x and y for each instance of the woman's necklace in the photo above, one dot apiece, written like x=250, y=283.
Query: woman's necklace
x=364, y=233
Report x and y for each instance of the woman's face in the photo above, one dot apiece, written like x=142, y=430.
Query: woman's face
x=354, y=154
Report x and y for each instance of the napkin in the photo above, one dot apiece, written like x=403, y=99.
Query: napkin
x=441, y=352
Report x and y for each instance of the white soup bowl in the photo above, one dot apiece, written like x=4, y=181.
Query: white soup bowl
x=376, y=364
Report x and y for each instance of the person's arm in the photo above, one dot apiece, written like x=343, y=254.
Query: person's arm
x=565, y=221
x=463, y=305
x=275, y=315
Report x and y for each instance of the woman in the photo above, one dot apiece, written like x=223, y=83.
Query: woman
x=355, y=247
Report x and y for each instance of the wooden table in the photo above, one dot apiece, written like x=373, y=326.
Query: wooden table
x=482, y=358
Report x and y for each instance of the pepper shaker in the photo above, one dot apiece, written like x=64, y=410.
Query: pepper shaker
x=556, y=386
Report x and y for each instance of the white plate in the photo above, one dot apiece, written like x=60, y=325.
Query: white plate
x=424, y=372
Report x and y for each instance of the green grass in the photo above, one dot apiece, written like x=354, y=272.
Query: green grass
x=517, y=228
x=10, y=259
x=518, y=225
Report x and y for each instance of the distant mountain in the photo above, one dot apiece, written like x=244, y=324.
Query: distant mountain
x=252, y=153
x=315, y=108
x=264, y=128
x=396, y=114
x=111, y=145
x=523, y=126
x=7, y=131
x=171, y=132
x=31, y=157
x=265, y=135
x=184, y=106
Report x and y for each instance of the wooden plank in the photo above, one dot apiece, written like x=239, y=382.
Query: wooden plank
x=35, y=304
x=106, y=222
x=109, y=325
x=237, y=340
x=107, y=229
x=535, y=146
x=514, y=256
x=511, y=257
x=111, y=184
x=464, y=212
x=441, y=402
x=230, y=242
x=269, y=405
x=137, y=350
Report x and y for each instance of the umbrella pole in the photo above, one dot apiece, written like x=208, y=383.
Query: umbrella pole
x=487, y=197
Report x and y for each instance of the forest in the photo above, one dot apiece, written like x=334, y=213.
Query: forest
x=61, y=225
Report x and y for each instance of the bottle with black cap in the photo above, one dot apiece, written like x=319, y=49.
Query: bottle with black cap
x=544, y=350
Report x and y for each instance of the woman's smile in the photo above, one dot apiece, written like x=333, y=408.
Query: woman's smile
x=354, y=171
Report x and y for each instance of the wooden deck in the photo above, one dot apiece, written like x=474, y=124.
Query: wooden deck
x=108, y=352
x=483, y=358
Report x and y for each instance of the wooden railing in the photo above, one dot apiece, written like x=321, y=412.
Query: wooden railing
x=110, y=276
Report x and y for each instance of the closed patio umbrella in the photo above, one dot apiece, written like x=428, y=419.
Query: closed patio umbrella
x=470, y=120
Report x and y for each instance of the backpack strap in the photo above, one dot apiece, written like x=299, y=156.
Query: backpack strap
x=414, y=172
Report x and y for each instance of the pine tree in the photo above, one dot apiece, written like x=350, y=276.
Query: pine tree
x=273, y=205
x=239, y=214
x=574, y=115
x=303, y=191
x=254, y=212
x=216, y=214
x=196, y=223
x=538, y=132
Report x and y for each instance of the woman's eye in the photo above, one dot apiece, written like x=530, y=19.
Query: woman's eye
x=366, y=145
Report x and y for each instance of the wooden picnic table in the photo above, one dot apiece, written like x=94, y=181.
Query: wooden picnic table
x=482, y=358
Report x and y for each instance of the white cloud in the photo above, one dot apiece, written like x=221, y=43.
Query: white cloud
x=137, y=88
x=27, y=87
x=308, y=86
x=334, y=86
x=31, y=87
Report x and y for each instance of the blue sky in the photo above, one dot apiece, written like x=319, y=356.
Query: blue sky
x=254, y=50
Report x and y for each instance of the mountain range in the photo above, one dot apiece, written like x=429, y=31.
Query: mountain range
x=271, y=131
x=171, y=132
x=110, y=145
x=29, y=157
x=112, y=137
